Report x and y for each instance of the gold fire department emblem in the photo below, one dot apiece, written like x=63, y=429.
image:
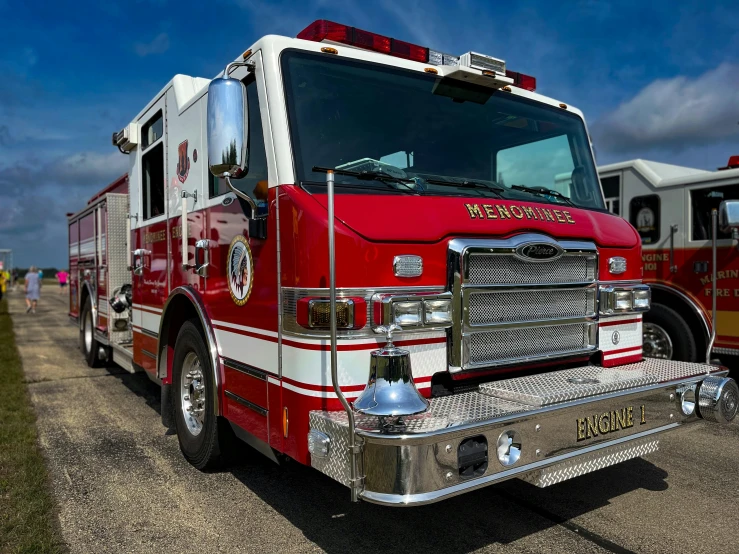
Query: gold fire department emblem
x=240, y=270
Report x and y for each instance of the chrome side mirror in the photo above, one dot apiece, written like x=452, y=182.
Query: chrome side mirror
x=228, y=139
x=228, y=128
x=728, y=215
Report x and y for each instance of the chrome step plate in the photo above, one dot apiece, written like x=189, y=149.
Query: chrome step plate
x=587, y=463
x=545, y=389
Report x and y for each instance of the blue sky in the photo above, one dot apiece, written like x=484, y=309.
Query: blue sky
x=657, y=80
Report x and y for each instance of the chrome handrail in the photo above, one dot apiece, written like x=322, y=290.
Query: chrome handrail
x=353, y=451
x=714, y=240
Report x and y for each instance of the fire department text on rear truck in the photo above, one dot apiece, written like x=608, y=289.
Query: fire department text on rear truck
x=387, y=262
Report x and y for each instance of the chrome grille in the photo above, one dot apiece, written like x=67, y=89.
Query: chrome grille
x=508, y=306
x=509, y=309
x=498, y=347
x=487, y=269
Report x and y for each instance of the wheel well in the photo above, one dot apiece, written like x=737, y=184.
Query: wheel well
x=179, y=310
x=84, y=294
x=686, y=311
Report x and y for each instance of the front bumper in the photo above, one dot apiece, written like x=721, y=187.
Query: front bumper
x=567, y=423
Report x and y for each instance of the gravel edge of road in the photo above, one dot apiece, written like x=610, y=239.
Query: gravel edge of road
x=28, y=510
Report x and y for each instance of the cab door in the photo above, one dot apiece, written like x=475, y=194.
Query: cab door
x=700, y=201
x=241, y=286
x=149, y=233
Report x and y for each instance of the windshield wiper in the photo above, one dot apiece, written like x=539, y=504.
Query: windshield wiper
x=372, y=176
x=468, y=185
x=544, y=191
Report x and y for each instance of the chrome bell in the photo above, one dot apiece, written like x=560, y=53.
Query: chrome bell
x=390, y=390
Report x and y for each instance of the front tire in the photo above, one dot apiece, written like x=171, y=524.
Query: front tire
x=666, y=335
x=198, y=428
x=88, y=344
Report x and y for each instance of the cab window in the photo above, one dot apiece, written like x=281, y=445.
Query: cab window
x=257, y=174
x=612, y=193
x=152, y=167
x=644, y=214
x=702, y=201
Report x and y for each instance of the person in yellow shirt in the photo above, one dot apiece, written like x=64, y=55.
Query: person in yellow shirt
x=4, y=278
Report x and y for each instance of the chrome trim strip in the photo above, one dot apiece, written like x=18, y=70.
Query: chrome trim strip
x=726, y=351
x=212, y=345
x=244, y=402
x=149, y=354
x=151, y=334
x=245, y=368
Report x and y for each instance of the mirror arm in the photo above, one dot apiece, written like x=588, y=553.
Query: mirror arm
x=249, y=65
x=245, y=197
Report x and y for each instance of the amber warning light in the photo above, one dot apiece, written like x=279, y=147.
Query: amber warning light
x=324, y=30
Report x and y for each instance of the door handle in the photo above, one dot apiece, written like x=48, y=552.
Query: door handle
x=673, y=266
x=203, y=245
x=139, y=260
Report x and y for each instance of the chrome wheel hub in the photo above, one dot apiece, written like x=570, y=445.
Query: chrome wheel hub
x=656, y=342
x=193, y=393
x=88, y=332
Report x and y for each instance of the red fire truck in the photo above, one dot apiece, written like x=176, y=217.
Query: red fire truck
x=671, y=207
x=358, y=253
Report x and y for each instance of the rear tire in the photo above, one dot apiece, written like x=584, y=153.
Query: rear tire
x=667, y=335
x=88, y=344
x=202, y=434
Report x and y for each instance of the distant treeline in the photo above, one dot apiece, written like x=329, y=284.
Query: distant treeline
x=48, y=271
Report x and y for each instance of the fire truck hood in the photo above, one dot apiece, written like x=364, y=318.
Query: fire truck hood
x=383, y=218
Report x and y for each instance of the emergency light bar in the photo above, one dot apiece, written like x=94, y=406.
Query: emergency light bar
x=325, y=30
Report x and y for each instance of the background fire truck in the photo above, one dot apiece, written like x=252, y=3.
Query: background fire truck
x=330, y=193
x=671, y=206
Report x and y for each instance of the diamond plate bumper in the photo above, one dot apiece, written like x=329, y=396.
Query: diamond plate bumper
x=569, y=422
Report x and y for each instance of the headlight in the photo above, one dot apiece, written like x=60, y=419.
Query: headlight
x=408, y=313
x=622, y=300
x=437, y=311
x=642, y=299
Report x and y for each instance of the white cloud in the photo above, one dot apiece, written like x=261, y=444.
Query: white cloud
x=158, y=45
x=676, y=113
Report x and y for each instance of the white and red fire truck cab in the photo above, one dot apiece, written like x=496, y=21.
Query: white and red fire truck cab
x=670, y=206
x=425, y=191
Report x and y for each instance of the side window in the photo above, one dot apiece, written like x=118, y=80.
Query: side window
x=644, y=214
x=612, y=193
x=257, y=174
x=152, y=167
x=702, y=201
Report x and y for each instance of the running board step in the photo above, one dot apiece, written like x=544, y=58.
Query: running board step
x=545, y=389
x=587, y=463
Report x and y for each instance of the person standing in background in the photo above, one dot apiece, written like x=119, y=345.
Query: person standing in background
x=40, y=275
x=62, y=277
x=33, y=289
x=3, y=283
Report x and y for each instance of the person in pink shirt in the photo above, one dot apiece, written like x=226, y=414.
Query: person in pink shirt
x=62, y=277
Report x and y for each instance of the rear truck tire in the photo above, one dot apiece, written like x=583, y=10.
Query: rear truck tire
x=88, y=344
x=666, y=335
x=203, y=436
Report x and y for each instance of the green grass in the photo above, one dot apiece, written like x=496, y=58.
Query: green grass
x=28, y=522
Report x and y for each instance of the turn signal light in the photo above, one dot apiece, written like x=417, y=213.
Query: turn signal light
x=315, y=313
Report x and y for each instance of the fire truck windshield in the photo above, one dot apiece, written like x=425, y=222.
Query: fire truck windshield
x=437, y=136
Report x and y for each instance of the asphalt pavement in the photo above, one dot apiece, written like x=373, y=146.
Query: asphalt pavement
x=123, y=486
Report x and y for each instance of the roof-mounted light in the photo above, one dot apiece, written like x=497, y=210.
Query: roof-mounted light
x=324, y=30
x=520, y=80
